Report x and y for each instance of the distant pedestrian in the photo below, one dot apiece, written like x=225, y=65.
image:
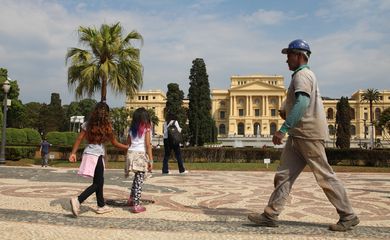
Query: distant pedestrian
x=96, y=131
x=306, y=125
x=169, y=145
x=44, y=151
x=139, y=156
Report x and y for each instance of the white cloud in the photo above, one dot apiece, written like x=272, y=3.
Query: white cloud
x=36, y=35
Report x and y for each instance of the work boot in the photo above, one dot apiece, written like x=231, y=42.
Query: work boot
x=262, y=220
x=344, y=225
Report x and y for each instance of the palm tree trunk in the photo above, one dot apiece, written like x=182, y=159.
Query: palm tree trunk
x=372, y=127
x=104, y=90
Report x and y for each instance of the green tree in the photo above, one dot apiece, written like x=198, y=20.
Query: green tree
x=86, y=106
x=120, y=118
x=111, y=60
x=343, y=121
x=174, y=105
x=200, y=120
x=371, y=96
x=384, y=120
x=54, y=115
x=32, y=110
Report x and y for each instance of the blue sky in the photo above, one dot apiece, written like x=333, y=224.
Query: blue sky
x=350, y=41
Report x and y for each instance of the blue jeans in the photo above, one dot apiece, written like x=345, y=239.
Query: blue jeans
x=167, y=153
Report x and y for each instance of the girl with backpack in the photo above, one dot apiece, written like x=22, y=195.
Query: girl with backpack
x=171, y=144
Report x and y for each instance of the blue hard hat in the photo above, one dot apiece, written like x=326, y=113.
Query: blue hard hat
x=297, y=44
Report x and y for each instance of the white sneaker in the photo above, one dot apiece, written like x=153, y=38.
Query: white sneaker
x=104, y=209
x=185, y=172
x=75, y=204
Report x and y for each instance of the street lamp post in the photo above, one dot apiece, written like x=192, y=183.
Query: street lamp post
x=6, y=87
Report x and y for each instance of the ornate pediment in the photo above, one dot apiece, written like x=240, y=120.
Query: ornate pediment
x=257, y=86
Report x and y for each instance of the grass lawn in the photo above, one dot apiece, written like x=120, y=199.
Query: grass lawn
x=198, y=166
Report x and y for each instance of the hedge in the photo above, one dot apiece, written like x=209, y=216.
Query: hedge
x=16, y=152
x=16, y=136
x=33, y=136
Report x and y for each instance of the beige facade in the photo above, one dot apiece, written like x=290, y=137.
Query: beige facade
x=250, y=108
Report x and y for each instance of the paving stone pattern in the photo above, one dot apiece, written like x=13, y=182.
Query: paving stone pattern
x=34, y=204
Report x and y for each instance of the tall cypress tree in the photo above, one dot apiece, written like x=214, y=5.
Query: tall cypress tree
x=343, y=120
x=201, y=124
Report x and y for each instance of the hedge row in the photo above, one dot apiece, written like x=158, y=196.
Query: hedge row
x=61, y=138
x=25, y=136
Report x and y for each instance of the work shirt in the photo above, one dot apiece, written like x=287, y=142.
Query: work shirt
x=313, y=124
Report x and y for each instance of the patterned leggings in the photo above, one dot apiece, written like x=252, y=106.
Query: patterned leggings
x=136, y=189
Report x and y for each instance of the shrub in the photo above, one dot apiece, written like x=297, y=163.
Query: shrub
x=33, y=136
x=71, y=137
x=16, y=136
x=57, y=138
x=16, y=153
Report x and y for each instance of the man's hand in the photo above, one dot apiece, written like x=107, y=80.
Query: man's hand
x=277, y=139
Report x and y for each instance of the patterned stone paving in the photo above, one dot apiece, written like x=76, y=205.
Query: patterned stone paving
x=201, y=204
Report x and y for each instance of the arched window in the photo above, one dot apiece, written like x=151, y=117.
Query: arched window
x=241, y=129
x=256, y=129
x=332, y=130
x=222, y=129
x=378, y=131
x=329, y=113
x=353, y=130
x=377, y=113
x=272, y=128
x=352, y=113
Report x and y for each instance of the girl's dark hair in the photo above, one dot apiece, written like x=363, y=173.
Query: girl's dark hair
x=139, y=122
x=99, y=129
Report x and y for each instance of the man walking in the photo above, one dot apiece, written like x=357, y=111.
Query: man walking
x=306, y=126
x=45, y=152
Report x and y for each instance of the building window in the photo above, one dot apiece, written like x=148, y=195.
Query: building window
x=353, y=130
x=222, y=103
x=240, y=112
x=331, y=129
x=240, y=101
x=273, y=112
x=352, y=113
x=222, y=129
x=365, y=116
x=146, y=98
x=330, y=113
x=257, y=112
x=377, y=113
x=222, y=114
x=257, y=101
x=154, y=97
x=240, y=129
x=272, y=101
x=139, y=98
x=256, y=129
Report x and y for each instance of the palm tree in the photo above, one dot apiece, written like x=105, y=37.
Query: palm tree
x=371, y=96
x=111, y=61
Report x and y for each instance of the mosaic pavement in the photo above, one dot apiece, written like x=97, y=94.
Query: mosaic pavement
x=34, y=204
